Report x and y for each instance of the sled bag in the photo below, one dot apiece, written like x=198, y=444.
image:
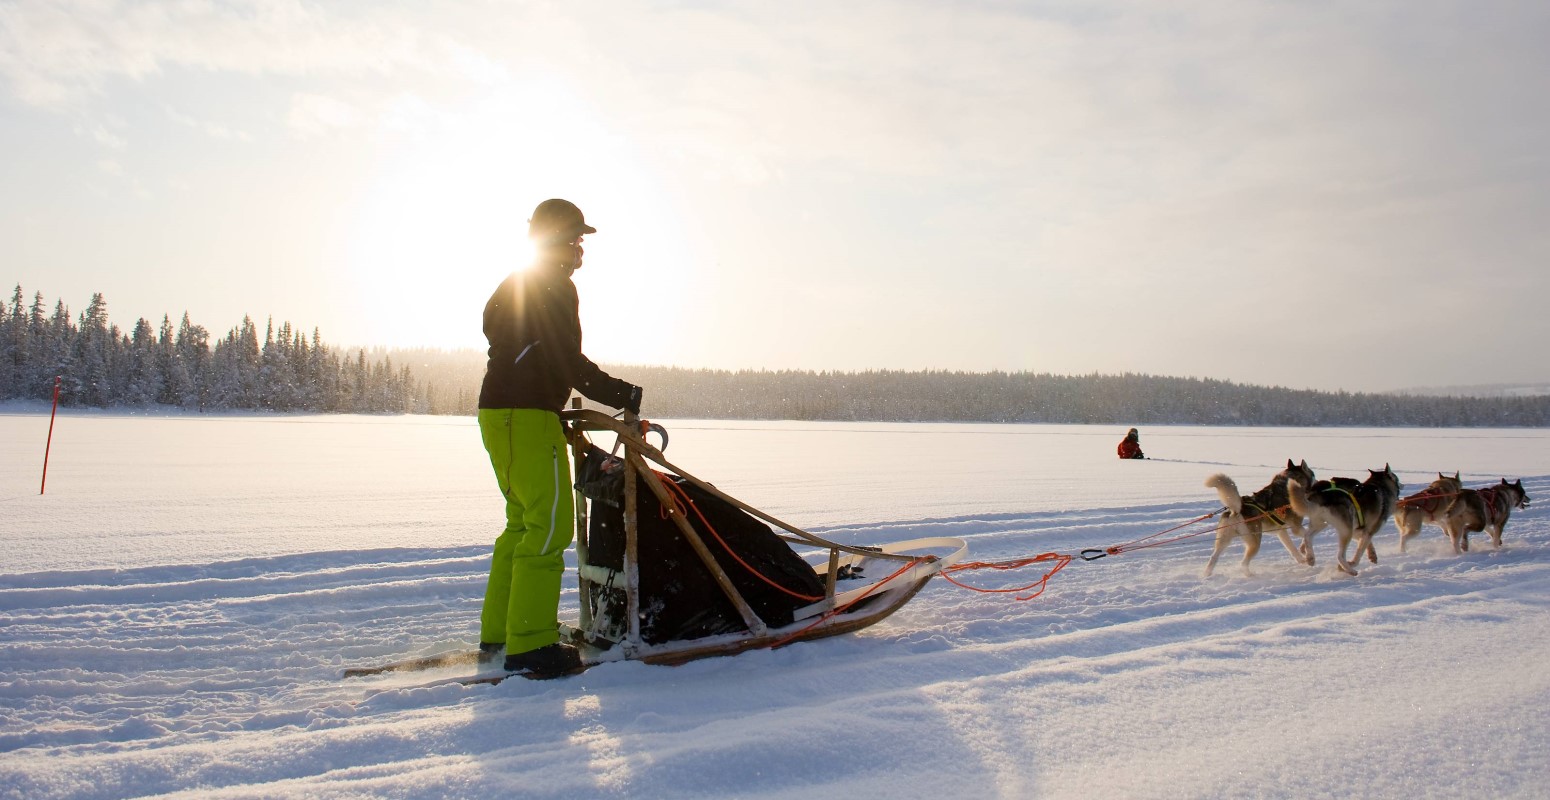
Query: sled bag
x=679, y=598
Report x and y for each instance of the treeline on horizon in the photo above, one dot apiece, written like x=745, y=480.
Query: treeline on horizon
x=950, y=396
x=99, y=365
x=282, y=370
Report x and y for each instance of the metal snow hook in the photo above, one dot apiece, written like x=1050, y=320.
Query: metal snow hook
x=50, y=443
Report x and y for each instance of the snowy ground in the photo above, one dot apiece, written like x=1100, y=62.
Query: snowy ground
x=176, y=609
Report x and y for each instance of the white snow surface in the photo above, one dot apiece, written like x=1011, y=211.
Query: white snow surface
x=176, y=609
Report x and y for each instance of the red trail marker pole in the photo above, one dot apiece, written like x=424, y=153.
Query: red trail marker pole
x=50, y=444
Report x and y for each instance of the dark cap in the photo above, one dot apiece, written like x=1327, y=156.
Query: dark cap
x=557, y=218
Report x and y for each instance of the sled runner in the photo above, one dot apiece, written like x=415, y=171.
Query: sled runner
x=451, y=658
x=680, y=570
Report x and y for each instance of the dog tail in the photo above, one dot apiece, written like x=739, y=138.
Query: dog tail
x=1228, y=491
x=1297, y=494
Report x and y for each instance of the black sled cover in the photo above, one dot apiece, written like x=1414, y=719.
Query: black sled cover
x=680, y=600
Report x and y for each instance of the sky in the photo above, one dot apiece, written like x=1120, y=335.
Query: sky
x=1313, y=195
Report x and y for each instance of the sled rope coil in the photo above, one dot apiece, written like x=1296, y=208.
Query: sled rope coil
x=1060, y=559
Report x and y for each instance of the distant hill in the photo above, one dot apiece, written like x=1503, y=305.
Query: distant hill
x=1481, y=390
x=452, y=381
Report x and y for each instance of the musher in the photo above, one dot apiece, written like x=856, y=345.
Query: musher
x=534, y=329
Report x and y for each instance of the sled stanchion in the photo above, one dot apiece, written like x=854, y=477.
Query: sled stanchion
x=632, y=638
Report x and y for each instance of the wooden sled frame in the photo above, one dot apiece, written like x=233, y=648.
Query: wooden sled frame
x=837, y=613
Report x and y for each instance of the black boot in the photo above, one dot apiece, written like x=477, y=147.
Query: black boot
x=549, y=661
x=490, y=652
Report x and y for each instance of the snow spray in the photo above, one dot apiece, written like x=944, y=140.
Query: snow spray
x=47, y=446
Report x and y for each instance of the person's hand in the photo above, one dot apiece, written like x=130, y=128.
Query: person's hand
x=632, y=403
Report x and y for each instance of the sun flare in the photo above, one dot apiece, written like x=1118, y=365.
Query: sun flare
x=446, y=219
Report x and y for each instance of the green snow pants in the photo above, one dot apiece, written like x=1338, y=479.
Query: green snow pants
x=532, y=465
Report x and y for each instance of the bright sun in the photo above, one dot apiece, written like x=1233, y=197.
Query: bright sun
x=445, y=221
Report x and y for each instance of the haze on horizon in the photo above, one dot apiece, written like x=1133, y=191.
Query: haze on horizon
x=1336, y=196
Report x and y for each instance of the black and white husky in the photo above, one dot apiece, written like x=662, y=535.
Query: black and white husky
x=1355, y=510
x=1249, y=517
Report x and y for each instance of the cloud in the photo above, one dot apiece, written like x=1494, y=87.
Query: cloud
x=100, y=134
x=316, y=115
x=214, y=130
x=59, y=54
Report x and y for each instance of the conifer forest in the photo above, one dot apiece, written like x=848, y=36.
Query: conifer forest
x=282, y=369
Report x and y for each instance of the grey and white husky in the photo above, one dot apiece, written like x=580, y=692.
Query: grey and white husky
x=1355, y=511
x=1249, y=517
x=1484, y=510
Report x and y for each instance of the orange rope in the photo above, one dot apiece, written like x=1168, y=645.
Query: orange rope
x=1426, y=496
x=1060, y=559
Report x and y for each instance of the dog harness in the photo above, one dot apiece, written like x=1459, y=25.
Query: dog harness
x=1429, y=500
x=1270, y=515
x=1354, y=504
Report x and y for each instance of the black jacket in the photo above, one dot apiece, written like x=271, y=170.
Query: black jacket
x=534, y=328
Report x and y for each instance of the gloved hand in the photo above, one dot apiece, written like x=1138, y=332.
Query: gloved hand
x=632, y=403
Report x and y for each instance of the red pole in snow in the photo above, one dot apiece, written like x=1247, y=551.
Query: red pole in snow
x=50, y=443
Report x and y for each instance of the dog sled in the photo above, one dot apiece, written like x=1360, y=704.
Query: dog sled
x=672, y=569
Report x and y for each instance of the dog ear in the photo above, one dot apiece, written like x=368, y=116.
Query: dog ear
x=1304, y=463
x=1290, y=465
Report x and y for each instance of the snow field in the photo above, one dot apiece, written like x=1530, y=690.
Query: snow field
x=203, y=666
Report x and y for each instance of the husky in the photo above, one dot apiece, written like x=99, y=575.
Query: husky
x=1354, y=511
x=1249, y=516
x=1483, y=509
x=1431, y=504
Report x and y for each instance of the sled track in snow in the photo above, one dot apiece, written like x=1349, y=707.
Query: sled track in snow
x=177, y=654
